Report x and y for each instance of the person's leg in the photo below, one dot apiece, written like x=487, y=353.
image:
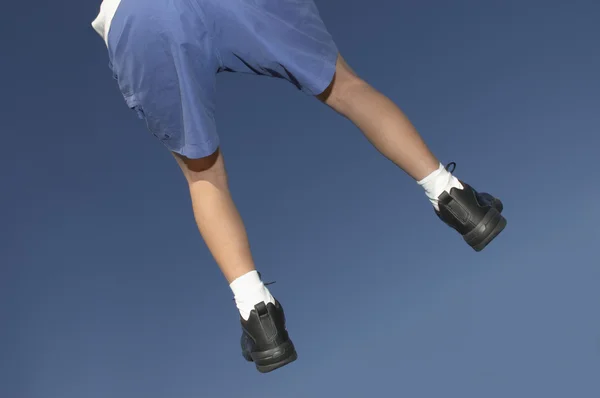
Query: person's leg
x=217, y=217
x=476, y=216
x=380, y=120
x=222, y=228
x=387, y=128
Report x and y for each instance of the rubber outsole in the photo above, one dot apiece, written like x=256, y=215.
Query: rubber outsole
x=275, y=358
x=487, y=230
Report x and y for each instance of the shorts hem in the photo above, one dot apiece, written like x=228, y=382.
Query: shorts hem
x=325, y=78
x=196, y=151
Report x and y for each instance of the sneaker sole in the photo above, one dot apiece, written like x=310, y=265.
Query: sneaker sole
x=275, y=358
x=492, y=224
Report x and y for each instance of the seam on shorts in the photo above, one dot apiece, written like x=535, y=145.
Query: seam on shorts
x=211, y=34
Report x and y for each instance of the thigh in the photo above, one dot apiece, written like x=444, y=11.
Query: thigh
x=279, y=38
x=165, y=66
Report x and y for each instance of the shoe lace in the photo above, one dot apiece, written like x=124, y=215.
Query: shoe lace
x=451, y=165
x=265, y=283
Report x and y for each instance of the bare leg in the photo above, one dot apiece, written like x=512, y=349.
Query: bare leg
x=380, y=120
x=217, y=217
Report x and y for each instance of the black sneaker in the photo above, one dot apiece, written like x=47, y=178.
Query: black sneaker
x=265, y=340
x=476, y=216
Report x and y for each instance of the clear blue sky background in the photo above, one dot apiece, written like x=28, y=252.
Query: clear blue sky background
x=106, y=289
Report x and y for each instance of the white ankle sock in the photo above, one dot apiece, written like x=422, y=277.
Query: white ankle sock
x=248, y=291
x=437, y=182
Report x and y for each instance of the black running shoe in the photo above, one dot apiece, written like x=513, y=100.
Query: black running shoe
x=476, y=216
x=265, y=340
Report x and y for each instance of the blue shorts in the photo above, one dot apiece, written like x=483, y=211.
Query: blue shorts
x=165, y=55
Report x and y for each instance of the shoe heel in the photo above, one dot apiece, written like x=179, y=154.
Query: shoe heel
x=275, y=358
x=492, y=224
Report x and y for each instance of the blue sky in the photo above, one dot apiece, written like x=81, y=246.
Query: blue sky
x=106, y=289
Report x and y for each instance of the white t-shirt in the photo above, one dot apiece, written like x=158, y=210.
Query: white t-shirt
x=101, y=24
